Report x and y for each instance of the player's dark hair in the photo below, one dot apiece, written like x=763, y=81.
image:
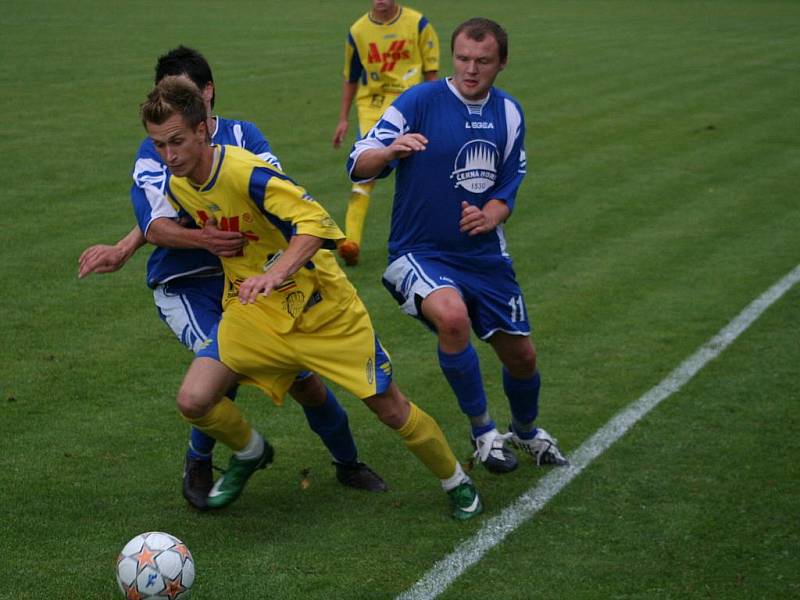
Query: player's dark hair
x=478, y=28
x=174, y=95
x=186, y=61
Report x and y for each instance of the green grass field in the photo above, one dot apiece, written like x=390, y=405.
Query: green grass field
x=662, y=198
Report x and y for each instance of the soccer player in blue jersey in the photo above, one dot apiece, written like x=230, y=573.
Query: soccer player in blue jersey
x=187, y=281
x=457, y=147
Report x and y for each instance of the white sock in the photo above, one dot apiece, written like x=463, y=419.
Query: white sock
x=456, y=479
x=253, y=449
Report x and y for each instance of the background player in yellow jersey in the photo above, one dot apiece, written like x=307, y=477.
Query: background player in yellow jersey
x=287, y=306
x=388, y=50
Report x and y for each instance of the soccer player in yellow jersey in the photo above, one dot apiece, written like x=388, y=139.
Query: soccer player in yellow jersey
x=388, y=50
x=287, y=307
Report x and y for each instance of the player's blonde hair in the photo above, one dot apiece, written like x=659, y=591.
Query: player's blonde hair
x=174, y=94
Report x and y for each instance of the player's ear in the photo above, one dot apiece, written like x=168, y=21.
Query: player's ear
x=208, y=92
x=201, y=130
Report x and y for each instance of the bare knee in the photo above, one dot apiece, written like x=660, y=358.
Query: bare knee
x=203, y=386
x=453, y=329
x=447, y=312
x=520, y=361
x=521, y=368
x=310, y=391
x=192, y=403
x=391, y=407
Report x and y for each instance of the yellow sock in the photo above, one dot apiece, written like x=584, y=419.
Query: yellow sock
x=425, y=439
x=357, y=211
x=224, y=423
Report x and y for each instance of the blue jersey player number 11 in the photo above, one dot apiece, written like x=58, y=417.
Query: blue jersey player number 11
x=457, y=148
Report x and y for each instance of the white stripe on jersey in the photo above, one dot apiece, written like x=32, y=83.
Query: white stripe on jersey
x=393, y=117
x=379, y=137
x=148, y=171
x=238, y=136
x=270, y=158
x=513, y=123
x=151, y=177
x=501, y=238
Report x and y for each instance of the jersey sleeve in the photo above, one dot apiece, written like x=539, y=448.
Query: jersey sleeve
x=254, y=141
x=514, y=164
x=428, y=46
x=353, y=69
x=290, y=208
x=396, y=121
x=148, y=191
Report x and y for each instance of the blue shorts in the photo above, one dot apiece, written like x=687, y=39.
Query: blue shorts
x=190, y=307
x=493, y=297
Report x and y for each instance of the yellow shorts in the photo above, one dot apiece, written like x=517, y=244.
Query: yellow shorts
x=369, y=115
x=341, y=347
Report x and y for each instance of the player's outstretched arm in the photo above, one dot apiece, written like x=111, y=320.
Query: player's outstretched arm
x=167, y=233
x=299, y=251
x=103, y=258
x=372, y=161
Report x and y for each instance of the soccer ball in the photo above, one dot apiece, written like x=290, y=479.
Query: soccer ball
x=155, y=565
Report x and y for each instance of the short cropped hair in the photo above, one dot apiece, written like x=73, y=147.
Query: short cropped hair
x=478, y=28
x=186, y=61
x=174, y=95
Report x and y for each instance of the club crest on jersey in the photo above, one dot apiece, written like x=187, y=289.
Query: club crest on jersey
x=294, y=303
x=475, y=167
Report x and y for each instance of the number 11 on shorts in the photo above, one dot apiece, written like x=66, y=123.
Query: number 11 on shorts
x=517, y=309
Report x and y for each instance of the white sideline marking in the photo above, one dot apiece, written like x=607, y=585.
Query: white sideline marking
x=494, y=531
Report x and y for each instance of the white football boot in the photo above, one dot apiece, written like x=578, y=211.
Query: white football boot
x=542, y=447
x=490, y=449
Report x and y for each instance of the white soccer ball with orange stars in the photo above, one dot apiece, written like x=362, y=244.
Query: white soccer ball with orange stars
x=155, y=565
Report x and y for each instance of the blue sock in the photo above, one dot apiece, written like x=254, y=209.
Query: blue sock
x=463, y=373
x=330, y=423
x=201, y=445
x=523, y=399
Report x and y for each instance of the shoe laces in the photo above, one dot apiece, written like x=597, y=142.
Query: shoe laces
x=537, y=446
x=490, y=442
x=546, y=446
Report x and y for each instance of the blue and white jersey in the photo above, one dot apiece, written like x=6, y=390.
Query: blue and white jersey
x=150, y=177
x=475, y=153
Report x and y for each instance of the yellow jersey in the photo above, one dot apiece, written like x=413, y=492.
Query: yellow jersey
x=243, y=193
x=388, y=58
